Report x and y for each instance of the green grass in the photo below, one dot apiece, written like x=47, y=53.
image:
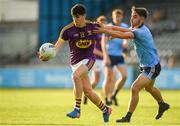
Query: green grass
x=49, y=107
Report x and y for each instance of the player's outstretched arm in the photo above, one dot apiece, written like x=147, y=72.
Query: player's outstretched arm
x=115, y=33
x=117, y=28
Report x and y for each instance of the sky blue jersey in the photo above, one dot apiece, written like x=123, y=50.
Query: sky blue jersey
x=114, y=46
x=145, y=48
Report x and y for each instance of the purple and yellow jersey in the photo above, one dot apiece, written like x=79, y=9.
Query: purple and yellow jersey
x=98, y=46
x=81, y=41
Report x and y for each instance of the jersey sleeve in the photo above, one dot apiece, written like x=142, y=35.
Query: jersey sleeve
x=63, y=35
x=138, y=33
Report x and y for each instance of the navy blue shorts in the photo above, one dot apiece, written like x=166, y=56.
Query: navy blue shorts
x=151, y=72
x=116, y=60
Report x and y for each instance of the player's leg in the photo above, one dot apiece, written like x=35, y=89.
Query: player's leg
x=77, y=93
x=95, y=78
x=94, y=82
x=96, y=70
x=141, y=82
x=120, y=82
x=154, y=72
x=108, y=84
x=155, y=92
x=88, y=91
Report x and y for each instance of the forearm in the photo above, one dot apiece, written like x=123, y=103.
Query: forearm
x=58, y=45
x=117, y=28
x=113, y=33
x=103, y=45
x=119, y=34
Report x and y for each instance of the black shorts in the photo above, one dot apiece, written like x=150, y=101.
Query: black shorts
x=116, y=60
x=151, y=72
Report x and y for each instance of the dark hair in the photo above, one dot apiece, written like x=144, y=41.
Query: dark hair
x=78, y=9
x=141, y=11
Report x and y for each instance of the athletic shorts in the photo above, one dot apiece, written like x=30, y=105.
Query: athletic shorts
x=116, y=60
x=151, y=72
x=98, y=65
x=88, y=62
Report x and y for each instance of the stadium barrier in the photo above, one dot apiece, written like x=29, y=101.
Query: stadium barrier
x=61, y=78
x=169, y=78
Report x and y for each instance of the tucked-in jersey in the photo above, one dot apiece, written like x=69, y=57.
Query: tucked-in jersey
x=98, y=46
x=114, y=46
x=81, y=41
x=145, y=48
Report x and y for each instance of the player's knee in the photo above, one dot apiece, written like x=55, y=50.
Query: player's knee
x=135, y=89
x=75, y=76
x=148, y=89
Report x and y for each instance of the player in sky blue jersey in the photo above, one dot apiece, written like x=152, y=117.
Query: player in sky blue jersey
x=81, y=39
x=114, y=59
x=149, y=61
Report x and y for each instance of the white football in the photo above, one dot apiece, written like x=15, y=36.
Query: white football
x=47, y=50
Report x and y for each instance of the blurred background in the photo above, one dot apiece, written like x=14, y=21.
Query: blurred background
x=26, y=24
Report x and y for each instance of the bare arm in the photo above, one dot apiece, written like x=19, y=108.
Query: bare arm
x=117, y=28
x=97, y=52
x=59, y=44
x=119, y=34
x=116, y=33
x=104, y=49
x=125, y=48
x=103, y=45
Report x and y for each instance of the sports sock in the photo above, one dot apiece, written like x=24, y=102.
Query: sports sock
x=78, y=103
x=115, y=92
x=160, y=102
x=128, y=115
x=101, y=106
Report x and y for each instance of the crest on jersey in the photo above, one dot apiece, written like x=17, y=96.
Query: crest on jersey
x=82, y=34
x=83, y=43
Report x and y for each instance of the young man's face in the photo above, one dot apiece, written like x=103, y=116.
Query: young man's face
x=79, y=19
x=135, y=19
x=117, y=18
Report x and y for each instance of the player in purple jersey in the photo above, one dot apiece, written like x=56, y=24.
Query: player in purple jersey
x=98, y=67
x=81, y=42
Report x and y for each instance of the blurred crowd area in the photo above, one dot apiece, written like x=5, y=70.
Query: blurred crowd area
x=20, y=39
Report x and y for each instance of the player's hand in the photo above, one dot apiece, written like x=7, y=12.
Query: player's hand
x=42, y=58
x=99, y=29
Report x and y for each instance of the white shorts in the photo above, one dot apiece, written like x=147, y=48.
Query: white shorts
x=98, y=65
x=88, y=62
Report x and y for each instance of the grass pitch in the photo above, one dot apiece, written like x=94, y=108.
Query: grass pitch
x=37, y=107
